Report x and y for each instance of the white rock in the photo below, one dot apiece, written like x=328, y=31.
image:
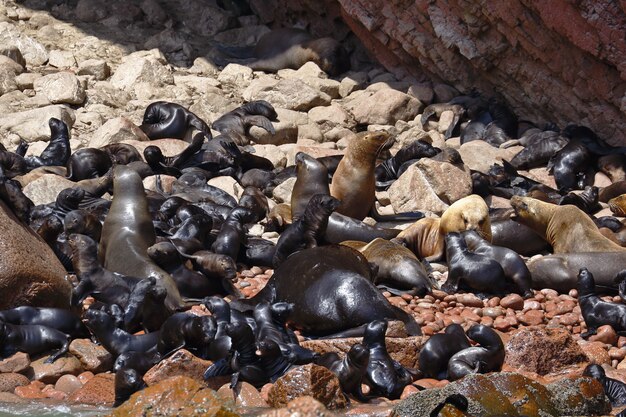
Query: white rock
x=236, y=75
x=61, y=87
x=61, y=59
x=32, y=125
x=26, y=80
x=7, y=64
x=291, y=94
x=329, y=117
x=384, y=107
x=273, y=153
x=282, y=193
x=7, y=81
x=46, y=188
x=116, y=130
x=480, y=156
x=96, y=67
x=143, y=66
x=34, y=53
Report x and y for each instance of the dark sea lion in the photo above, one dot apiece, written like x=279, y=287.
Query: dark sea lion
x=33, y=339
x=559, y=271
x=566, y=228
x=614, y=389
x=594, y=310
x=117, y=341
x=88, y=163
x=232, y=233
x=171, y=165
x=518, y=237
x=571, y=166
x=237, y=123
x=219, y=268
x=614, y=166
x=311, y=179
x=587, y=201
x=618, y=205
x=57, y=318
x=15, y=199
x=488, y=357
x=84, y=223
x=140, y=361
x=478, y=272
x=190, y=236
x=146, y=309
x=58, y=150
x=184, y=330
x=243, y=359
x=12, y=164
x=387, y=171
x=127, y=382
x=122, y=153
x=292, y=48
x=272, y=360
x=193, y=187
x=514, y=267
x=537, y=153
x=307, y=231
x=354, y=183
x=253, y=199
x=611, y=191
x=440, y=347
x=170, y=120
x=128, y=232
x=383, y=375
x=259, y=252
x=329, y=297
x=399, y=270
x=350, y=370
x=106, y=286
x=259, y=178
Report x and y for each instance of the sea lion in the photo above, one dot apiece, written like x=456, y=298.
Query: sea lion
x=237, y=123
x=424, y=239
x=468, y=213
x=127, y=382
x=184, y=330
x=330, y=296
x=440, y=347
x=33, y=339
x=518, y=237
x=594, y=310
x=278, y=218
x=117, y=341
x=614, y=166
x=58, y=150
x=566, y=228
x=306, y=232
x=292, y=48
x=170, y=120
x=354, y=183
x=587, y=201
x=514, y=267
x=232, y=233
x=559, y=271
x=171, y=165
x=383, y=375
x=387, y=171
x=253, y=199
x=12, y=164
x=488, y=357
x=122, y=153
x=398, y=267
x=140, y=361
x=146, y=309
x=571, y=166
x=618, y=205
x=350, y=370
x=57, y=318
x=614, y=389
x=311, y=179
x=128, y=232
x=12, y=195
x=84, y=223
x=539, y=150
x=219, y=268
x=476, y=271
x=88, y=163
x=611, y=191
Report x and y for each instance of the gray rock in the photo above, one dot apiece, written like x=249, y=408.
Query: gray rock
x=98, y=68
x=273, y=153
x=142, y=66
x=329, y=117
x=61, y=59
x=444, y=93
x=154, y=12
x=228, y=184
x=33, y=52
x=116, y=130
x=422, y=91
x=385, y=106
x=46, y=188
x=62, y=87
x=32, y=125
x=480, y=156
x=286, y=132
x=11, y=51
x=236, y=75
x=7, y=64
x=282, y=193
x=7, y=81
x=292, y=94
x=90, y=10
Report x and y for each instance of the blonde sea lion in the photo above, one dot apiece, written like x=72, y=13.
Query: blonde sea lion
x=618, y=205
x=567, y=228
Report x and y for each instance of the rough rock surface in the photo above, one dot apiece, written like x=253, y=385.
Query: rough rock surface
x=30, y=273
x=93, y=357
x=99, y=390
x=181, y=363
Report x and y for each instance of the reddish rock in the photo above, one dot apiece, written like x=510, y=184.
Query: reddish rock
x=53, y=393
x=569, y=319
x=469, y=300
x=15, y=363
x=595, y=351
x=580, y=396
x=514, y=301
x=542, y=350
x=246, y=395
x=68, y=384
x=10, y=398
x=10, y=381
x=532, y=318
x=313, y=380
x=83, y=377
x=617, y=353
x=501, y=324
x=306, y=406
x=181, y=363
x=99, y=390
x=49, y=372
x=94, y=358
x=31, y=391
x=605, y=334
x=177, y=396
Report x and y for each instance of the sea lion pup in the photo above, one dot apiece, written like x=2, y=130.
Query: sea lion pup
x=171, y=165
x=618, y=205
x=387, y=171
x=514, y=267
x=237, y=123
x=127, y=382
x=170, y=120
x=33, y=339
x=488, y=357
x=307, y=231
x=12, y=195
x=128, y=232
x=117, y=341
x=184, y=330
x=232, y=234
x=611, y=191
x=595, y=311
x=330, y=296
x=399, y=270
x=122, y=153
x=615, y=390
x=88, y=163
x=253, y=199
x=478, y=272
x=311, y=179
x=57, y=318
x=12, y=164
x=566, y=228
x=440, y=347
x=58, y=150
x=538, y=153
x=220, y=269
x=383, y=375
x=292, y=48
x=84, y=223
x=614, y=166
x=587, y=201
x=350, y=370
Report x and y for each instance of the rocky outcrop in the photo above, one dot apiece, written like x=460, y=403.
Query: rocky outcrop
x=556, y=61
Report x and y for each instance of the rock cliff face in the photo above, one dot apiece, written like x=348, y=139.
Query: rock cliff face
x=561, y=60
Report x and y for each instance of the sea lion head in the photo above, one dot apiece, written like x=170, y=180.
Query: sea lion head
x=332, y=57
x=594, y=371
x=358, y=355
x=96, y=319
x=371, y=143
x=455, y=330
x=468, y=213
x=58, y=128
x=532, y=212
x=282, y=310
x=618, y=205
x=70, y=197
x=153, y=155
x=81, y=244
x=586, y=285
x=375, y=333
x=485, y=336
x=218, y=307
x=163, y=253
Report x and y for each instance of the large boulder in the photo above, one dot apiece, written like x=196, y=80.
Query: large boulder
x=30, y=273
x=32, y=125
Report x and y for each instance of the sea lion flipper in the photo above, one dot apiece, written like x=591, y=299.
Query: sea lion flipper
x=411, y=326
x=260, y=121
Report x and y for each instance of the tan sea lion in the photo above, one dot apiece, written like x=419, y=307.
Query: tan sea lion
x=567, y=228
x=618, y=205
x=354, y=183
x=424, y=239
